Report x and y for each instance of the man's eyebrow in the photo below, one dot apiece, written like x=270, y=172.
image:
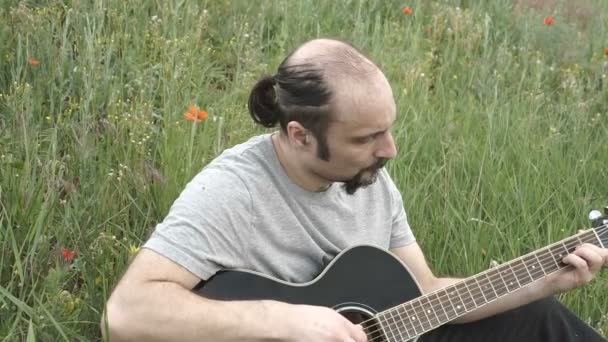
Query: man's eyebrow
x=365, y=135
x=368, y=134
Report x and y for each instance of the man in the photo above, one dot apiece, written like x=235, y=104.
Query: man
x=286, y=203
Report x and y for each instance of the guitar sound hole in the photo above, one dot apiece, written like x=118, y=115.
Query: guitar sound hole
x=370, y=325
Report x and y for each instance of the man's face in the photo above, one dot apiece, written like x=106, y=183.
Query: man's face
x=359, y=140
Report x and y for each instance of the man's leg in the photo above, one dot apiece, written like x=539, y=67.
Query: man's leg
x=543, y=320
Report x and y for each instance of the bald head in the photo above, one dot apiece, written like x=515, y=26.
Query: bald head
x=332, y=57
x=312, y=83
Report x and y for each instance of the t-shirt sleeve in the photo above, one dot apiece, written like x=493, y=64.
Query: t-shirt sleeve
x=401, y=233
x=201, y=230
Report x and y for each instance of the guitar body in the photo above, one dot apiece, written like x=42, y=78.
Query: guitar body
x=358, y=283
x=371, y=287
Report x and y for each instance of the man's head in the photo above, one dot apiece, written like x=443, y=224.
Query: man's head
x=335, y=108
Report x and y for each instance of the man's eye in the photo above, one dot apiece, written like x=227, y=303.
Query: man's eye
x=365, y=140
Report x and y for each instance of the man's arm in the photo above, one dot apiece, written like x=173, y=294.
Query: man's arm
x=153, y=302
x=585, y=261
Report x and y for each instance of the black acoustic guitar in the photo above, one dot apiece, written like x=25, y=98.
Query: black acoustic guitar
x=371, y=287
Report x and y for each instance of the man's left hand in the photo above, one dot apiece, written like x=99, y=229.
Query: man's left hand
x=585, y=262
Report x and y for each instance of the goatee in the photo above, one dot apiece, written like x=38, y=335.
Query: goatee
x=360, y=180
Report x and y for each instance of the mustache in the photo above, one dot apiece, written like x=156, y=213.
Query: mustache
x=378, y=164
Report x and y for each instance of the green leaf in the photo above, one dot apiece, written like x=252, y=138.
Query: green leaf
x=20, y=304
x=31, y=336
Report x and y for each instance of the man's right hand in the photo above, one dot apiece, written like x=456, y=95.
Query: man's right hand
x=305, y=323
x=154, y=302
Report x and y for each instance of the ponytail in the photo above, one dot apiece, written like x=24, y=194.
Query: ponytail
x=263, y=106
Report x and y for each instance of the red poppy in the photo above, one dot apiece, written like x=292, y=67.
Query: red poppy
x=549, y=20
x=195, y=114
x=33, y=62
x=606, y=52
x=408, y=10
x=68, y=255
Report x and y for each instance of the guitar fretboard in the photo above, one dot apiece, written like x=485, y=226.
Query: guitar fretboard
x=427, y=312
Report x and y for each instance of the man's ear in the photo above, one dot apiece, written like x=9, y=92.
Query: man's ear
x=298, y=135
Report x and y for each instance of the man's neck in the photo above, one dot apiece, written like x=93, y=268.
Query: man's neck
x=294, y=169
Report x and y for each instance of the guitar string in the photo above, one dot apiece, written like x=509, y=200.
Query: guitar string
x=418, y=326
x=586, y=235
x=508, y=267
x=502, y=288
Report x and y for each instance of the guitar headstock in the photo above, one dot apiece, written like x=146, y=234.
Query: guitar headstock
x=599, y=222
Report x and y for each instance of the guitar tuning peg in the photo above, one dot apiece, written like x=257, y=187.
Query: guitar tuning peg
x=594, y=215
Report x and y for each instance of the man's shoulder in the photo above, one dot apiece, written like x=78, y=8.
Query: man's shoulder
x=238, y=165
x=255, y=145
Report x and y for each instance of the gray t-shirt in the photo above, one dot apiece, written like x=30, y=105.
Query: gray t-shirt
x=243, y=211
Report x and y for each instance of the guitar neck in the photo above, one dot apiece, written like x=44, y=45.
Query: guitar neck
x=427, y=312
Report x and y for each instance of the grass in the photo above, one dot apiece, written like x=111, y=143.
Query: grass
x=501, y=130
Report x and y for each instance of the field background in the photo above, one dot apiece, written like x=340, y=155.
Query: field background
x=501, y=130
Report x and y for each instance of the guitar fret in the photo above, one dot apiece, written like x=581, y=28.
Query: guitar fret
x=533, y=267
x=447, y=297
x=423, y=319
x=400, y=322
x=558, y=252
x=468, y=305
x=426, y=316
x=413, y=319
x=445, y=313
x=388, y=330
x=563, y=255
x=400, y=313
x=431, y=308
x=550, y=262
x=449, y=300
x=394, y=324
x=579, y=239
x=511, y=278
x=501, y=284
x=491, y=285
x=460, y=301
x=478, y=300
x=498, y=270
x=540, y=264
x=554, y=256
x=525, y=277
x=481, y=288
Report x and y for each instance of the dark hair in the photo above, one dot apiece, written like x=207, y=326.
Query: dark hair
x=296, y=93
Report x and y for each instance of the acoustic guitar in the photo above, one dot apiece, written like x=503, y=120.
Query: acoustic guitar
x=371, y=287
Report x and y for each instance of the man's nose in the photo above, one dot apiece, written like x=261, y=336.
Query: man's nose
x=386, y=148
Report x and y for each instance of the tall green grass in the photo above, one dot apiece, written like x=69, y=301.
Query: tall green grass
x=501, y=130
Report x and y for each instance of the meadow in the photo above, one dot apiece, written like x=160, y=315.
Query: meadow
x=502, y=121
